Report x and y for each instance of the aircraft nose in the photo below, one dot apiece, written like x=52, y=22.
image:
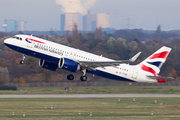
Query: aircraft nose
x=7, y=41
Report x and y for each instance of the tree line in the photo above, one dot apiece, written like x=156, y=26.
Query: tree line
x=121, y=45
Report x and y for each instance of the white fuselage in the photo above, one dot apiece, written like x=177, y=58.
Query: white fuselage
x=51, y=51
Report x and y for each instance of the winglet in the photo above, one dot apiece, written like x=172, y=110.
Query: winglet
x=135, y=57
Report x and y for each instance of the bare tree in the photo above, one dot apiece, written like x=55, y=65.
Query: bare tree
x=98, y=34
x=75, y=36
x=4, y=75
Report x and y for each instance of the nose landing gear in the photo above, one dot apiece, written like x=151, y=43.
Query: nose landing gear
x=22, y=62
x=23, y=58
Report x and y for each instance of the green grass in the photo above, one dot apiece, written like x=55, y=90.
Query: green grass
x=97, y=90
x=166, y=101
x=103, y=110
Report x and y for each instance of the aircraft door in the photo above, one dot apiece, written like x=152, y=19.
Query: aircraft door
x=30, y=44
x=135, y=73
x=72, y=55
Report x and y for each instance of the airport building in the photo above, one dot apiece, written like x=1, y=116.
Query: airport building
x=68, y=20
x=10, y=25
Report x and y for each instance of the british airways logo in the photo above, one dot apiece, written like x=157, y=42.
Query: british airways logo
x=29, y=40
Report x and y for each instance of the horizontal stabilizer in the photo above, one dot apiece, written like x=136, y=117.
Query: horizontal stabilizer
x=158, y=77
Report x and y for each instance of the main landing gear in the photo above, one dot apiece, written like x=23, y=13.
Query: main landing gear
x=82, y=78
x=70, y=77
x=23, y=58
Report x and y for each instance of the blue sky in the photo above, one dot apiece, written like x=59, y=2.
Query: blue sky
x=146, y=14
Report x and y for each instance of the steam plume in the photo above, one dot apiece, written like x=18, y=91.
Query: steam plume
x=76, y=6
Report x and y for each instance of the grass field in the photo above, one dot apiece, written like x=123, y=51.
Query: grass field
x=97, y=90
x=68, y=109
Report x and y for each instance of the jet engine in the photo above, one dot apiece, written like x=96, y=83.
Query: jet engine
x=69, y=64
x=48, y=65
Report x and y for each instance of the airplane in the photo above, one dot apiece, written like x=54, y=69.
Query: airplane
x=53, y=56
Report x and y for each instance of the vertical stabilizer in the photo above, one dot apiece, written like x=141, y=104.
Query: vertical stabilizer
x=154, y=62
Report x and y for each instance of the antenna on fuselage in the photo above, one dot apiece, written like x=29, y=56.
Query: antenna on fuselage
x=31, y=34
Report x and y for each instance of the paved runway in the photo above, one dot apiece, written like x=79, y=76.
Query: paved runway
x=85, y=95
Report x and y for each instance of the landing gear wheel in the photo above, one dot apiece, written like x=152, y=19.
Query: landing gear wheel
x=23, y=58
x=22, y=62
x=70, y=77
x=83, y=78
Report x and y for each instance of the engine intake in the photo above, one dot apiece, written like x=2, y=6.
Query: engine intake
x=69, y=64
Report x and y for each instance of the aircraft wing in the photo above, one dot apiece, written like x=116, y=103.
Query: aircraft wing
x=94, y=64
x=158, y=77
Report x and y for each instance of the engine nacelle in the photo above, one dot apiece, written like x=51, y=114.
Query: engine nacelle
x=48, y=65
x=69, y=64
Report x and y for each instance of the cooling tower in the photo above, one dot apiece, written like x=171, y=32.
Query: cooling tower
x=102, y=20
x=68, y=20
x=89, y=22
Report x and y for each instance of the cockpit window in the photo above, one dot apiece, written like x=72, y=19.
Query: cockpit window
x=18, y=38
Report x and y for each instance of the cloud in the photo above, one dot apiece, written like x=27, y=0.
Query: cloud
x=75, y=6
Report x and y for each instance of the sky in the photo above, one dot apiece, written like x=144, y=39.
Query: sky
x=42, y=15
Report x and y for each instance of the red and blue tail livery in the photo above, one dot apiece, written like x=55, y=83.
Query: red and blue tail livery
x=54, y=56
x=154, y=63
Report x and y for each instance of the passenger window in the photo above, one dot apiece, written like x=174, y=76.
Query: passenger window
x=17, y=38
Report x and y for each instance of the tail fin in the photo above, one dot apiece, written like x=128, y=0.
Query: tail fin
x=154, y=62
